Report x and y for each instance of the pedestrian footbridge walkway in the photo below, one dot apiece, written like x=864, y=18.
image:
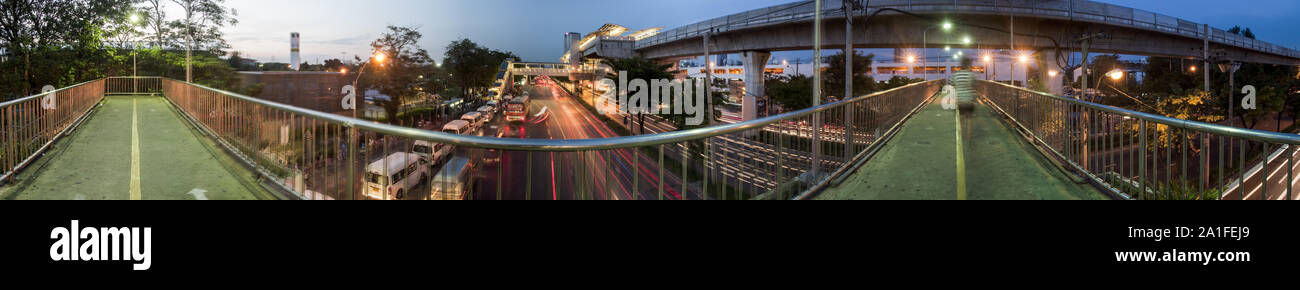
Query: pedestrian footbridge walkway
x=926, y=161
x=137, y=148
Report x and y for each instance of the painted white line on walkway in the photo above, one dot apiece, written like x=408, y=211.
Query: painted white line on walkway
x=135, y=152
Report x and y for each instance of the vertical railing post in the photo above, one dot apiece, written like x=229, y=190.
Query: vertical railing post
x=352, y=162
x=1142, y=159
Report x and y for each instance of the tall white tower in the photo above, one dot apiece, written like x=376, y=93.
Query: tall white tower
x=294, y=59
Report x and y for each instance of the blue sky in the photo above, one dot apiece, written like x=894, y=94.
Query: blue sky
x=534, y=29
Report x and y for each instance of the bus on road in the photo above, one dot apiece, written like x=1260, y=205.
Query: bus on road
x=517, y=109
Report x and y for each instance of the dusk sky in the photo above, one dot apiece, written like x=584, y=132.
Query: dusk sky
x=534, y=29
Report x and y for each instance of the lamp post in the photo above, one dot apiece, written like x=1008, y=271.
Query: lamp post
x=378, y=57
x=135, y=81
x=1231, y=68
x=355, y=135
x=925, y=51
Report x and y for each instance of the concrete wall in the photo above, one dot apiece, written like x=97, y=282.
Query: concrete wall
x=318, y=91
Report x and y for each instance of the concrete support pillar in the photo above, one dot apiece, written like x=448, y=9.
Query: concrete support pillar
x=1051, y=73
x=755, y=62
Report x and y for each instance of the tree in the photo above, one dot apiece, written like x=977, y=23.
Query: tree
x=643, y=69
x=1243, y=32
x=202, y=23
x=400, y=75
x=201, y=27
x=156, y=18
x=897, y=81
x=334, y=64
x=50, y=39
x=792, y=93
x=1196, y=105
x=833, y=78
x=472, y=67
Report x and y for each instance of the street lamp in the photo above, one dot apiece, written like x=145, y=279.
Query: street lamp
x=135, y=83
x=925, y=42
x=966, y=40
x=378, y=57
x=1231, y=68
x=1116, y=75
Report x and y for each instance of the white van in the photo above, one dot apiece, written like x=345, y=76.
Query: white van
x=454, y=181
x=475, y=120
x=394, y=176
x=433, y=152
x=457, y=127
x=488, y=112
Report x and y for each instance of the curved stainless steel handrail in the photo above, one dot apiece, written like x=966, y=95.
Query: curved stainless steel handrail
x=1255, y=135
x=570, y=145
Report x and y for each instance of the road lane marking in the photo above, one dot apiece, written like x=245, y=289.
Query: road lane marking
x=961, y=160
x=199, y=194
x=135, y=152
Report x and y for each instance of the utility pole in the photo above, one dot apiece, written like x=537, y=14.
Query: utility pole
x=1012, y=80
x=817, y=87
x=708, y=99
x=849, y=55
x=1206, y=57
x=1083, y=86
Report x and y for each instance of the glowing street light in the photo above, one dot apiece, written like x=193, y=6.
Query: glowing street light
x=1024, y=58
x=911, y=59
x=966, y=40
x=947, y=25
x=988, y=59
x=1193, y=68
x=1116, y=75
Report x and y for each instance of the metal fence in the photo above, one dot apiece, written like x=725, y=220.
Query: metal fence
x=32, y=124
x=133, y=86
x=1145, y=156
x=312, y=153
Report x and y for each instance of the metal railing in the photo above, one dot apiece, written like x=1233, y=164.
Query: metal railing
x=1144, y=156
x=32, y=124
x=312, y=153
x=133, y=86
x=1075, y=10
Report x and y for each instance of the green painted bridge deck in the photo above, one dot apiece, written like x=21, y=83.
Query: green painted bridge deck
x=920, y=162
x=173, y=161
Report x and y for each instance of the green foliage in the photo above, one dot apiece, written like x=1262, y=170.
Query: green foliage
x=792, y=93
x=641, y=68
x=472, y=68
x=1243, y=32
x=896, y=82
x=833, y=78
x=399, y=75
x=200, y=25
